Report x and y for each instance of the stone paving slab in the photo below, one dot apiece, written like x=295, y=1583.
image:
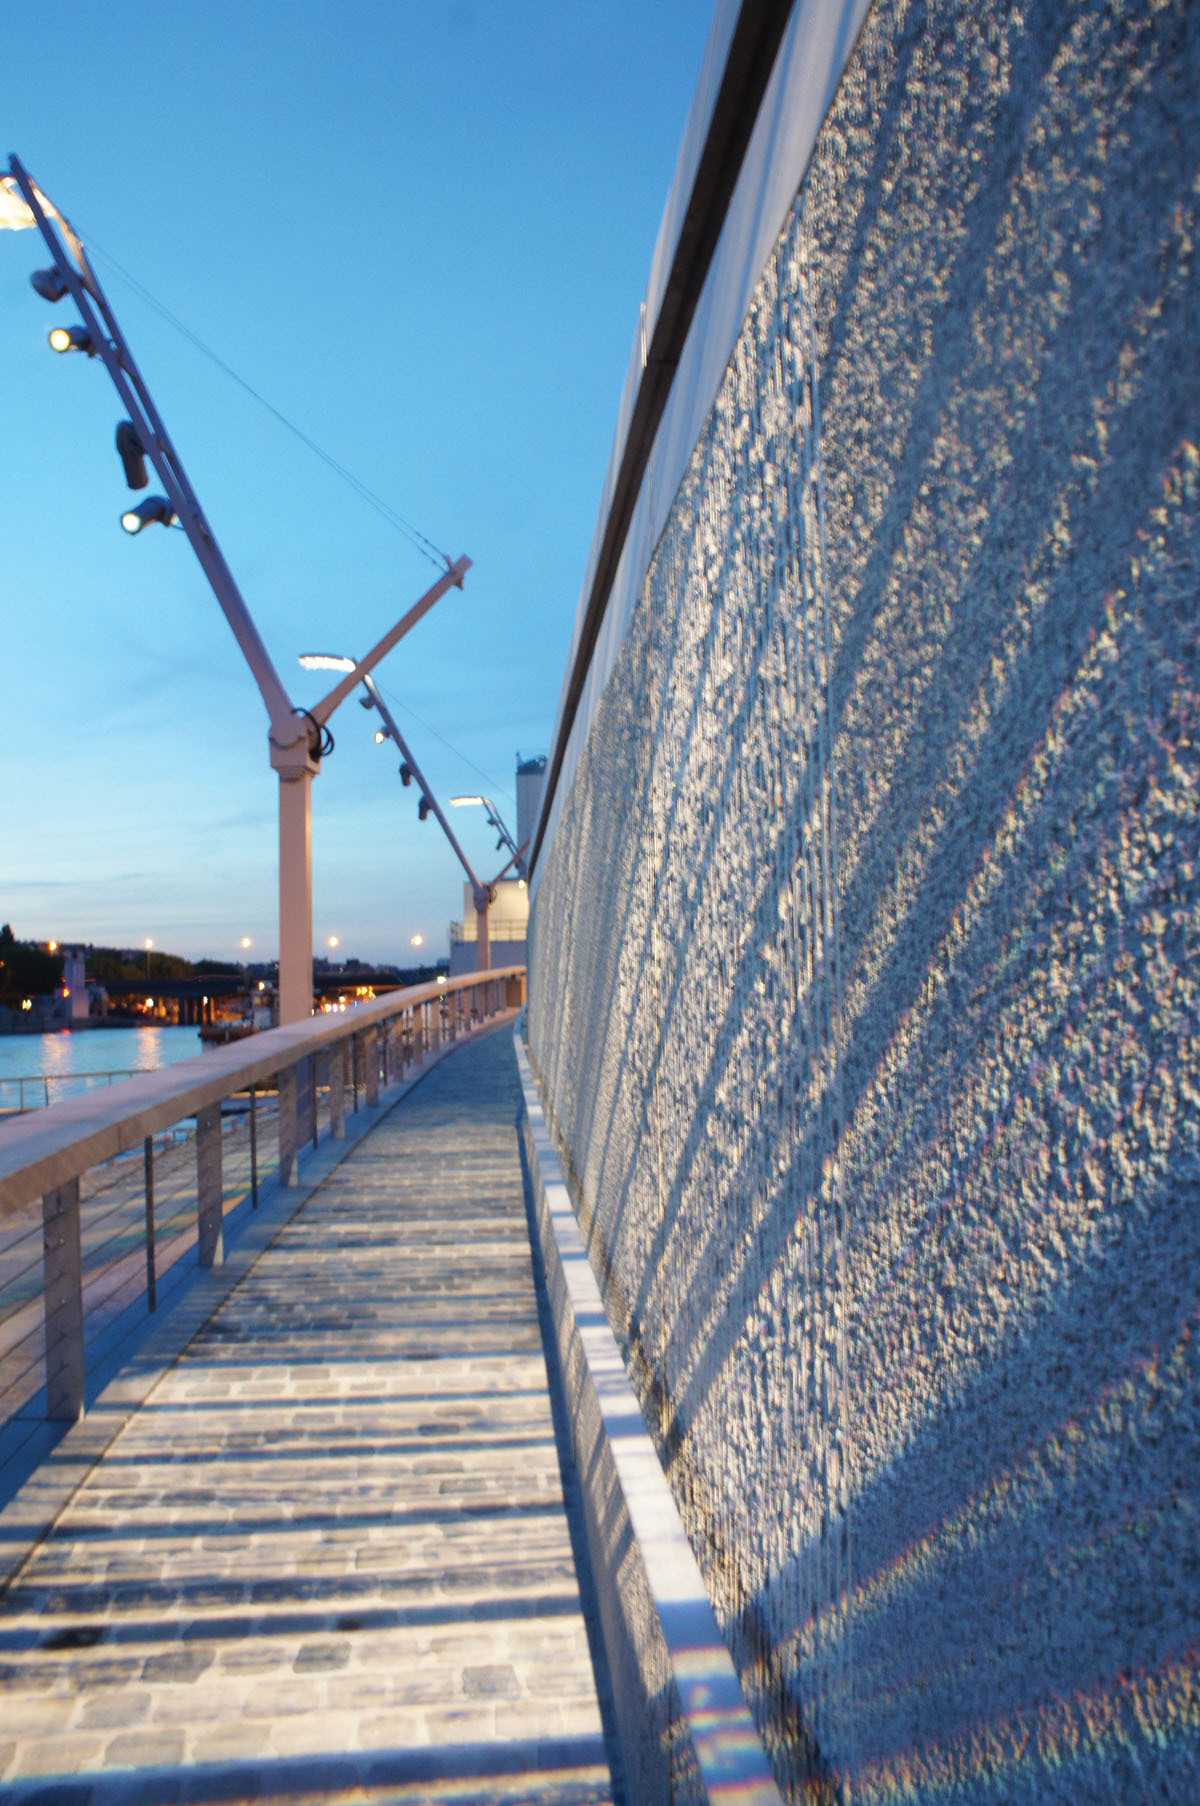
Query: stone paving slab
x=328, y=1556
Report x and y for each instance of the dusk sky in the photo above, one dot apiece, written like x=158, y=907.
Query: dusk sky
x=422, y=233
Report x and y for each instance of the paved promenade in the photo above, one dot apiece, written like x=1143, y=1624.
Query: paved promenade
x=328, y=1557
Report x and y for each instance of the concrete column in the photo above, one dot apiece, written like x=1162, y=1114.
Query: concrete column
x=295, y=897
x=370, y=1054
x=209, y=1188
x=63, y=1285
x=287, y=1126
x=337, y=1090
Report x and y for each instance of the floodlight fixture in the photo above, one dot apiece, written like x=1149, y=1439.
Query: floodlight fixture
x=423, y=808
x=132, y=454
x=154, y=508
x=72, y=338
x=381, y=734
x=406, y=773
x=50, y=284
x=494, y=820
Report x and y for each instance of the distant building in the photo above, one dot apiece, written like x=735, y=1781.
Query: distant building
x=531, y=778
x=508, y=924
x=508, y=914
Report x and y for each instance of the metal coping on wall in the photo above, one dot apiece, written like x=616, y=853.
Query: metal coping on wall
x=748, y=65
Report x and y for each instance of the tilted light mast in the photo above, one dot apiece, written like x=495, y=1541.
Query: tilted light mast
x=297, y=738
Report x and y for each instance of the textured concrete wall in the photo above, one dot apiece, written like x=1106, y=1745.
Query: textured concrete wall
x=682, y=1723
x=864, y=987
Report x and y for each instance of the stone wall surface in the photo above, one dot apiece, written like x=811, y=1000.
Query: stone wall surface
x=864, y=984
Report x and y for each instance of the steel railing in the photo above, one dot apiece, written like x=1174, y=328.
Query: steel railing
x=131, y=1180
x=84, y=1081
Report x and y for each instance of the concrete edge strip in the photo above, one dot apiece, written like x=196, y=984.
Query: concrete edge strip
x=728, y=1752
x=35, y=1508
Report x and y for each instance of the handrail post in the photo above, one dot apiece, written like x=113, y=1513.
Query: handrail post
x=148, y=1175
x=63, y=1303
x=371, y=1057
x=303, y=1102
x=337, y=1091
x=210, y=1236
x=254, y=1147
x=285, y=1080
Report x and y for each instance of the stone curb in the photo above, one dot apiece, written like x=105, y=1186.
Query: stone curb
x=684, y=1728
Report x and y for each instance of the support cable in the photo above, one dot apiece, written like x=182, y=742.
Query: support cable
x=420, y=541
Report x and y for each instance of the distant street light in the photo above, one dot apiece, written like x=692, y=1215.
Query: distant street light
x=298, y=739
x=149, y=945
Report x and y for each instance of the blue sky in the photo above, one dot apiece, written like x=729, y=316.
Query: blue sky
x=422, y=232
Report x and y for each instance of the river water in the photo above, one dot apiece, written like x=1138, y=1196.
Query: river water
x=74, y=1062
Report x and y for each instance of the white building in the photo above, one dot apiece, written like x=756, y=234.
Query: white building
x=508, y=923
x=508, y=913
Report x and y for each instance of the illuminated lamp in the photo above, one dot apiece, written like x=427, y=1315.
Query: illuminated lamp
x=72, y=338
x=154, y=508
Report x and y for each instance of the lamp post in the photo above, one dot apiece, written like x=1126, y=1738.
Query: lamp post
x=482, y=894
x=297, y=738
x=494, y=821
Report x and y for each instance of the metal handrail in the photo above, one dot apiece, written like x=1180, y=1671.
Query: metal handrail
x=46, y=1079
x=44, y=1153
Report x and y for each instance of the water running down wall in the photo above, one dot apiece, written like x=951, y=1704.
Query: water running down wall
x=864, y=984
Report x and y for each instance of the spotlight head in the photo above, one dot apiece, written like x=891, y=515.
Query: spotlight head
x=132, y=454
x=367, y=701
x=423, y=808
x=72, y=338
x=381, y=734
x=50, y=284
x=154, y=508
x=406, y=776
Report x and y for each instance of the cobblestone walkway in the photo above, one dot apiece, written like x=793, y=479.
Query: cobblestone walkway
x=329, y=1557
